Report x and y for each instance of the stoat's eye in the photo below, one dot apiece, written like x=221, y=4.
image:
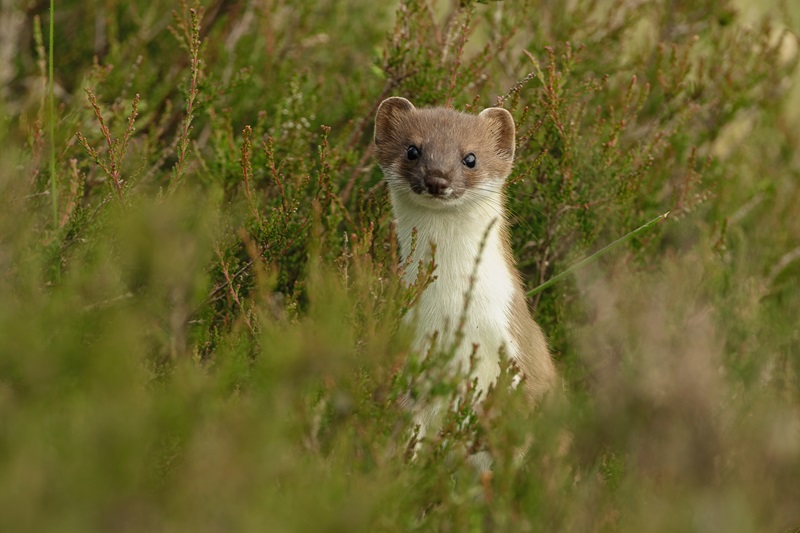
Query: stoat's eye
x=412, y=153
x=470, y=160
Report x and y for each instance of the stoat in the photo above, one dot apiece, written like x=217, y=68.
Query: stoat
x=446, y=173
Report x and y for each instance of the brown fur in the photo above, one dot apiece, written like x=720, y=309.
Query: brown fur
x=534, y=357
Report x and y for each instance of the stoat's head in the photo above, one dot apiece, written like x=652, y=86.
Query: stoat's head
x=437, y=155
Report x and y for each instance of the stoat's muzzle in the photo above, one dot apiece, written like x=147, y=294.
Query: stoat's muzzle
x=436, y=184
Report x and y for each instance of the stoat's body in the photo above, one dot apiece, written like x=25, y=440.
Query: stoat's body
x=446, y=173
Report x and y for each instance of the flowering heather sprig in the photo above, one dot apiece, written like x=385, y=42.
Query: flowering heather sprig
x=188, y=35
x=112, y=165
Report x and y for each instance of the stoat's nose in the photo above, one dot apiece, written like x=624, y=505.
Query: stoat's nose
x=436, y=185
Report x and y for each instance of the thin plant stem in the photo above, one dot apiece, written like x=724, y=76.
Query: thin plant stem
x=51, y=120
x=595, y=256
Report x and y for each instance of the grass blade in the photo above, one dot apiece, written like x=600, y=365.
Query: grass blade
x=595, y=256
x=51, y=119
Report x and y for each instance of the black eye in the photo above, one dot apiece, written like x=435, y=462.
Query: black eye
x=470, y=160
x=412, y=153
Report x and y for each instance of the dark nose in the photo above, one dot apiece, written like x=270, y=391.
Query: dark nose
x=436, y=185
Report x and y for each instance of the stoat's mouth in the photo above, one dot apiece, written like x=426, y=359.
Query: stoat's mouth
x=421, y=190
x=427, y=200
x=414, y=191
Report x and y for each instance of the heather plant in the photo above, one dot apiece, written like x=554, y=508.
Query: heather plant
x=201, y=297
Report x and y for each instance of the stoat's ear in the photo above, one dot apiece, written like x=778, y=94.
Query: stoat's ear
x=387, y=115
x=502, y=130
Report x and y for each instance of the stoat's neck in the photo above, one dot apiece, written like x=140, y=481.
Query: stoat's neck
x=461, y=233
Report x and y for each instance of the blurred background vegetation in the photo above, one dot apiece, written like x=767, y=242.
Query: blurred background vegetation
x=199, y=302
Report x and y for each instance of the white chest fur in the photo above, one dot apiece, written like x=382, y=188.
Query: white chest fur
x=460, y=235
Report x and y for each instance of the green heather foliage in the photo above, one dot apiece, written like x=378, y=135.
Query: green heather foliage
x=199, y=323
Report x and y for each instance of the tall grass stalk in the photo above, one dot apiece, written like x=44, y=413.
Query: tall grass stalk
x=595, y=256
x=51, y=119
